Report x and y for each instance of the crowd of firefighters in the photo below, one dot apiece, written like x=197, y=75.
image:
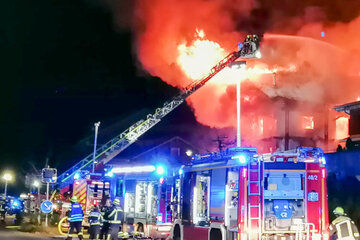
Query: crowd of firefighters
x=102, y=226
x=106, y=226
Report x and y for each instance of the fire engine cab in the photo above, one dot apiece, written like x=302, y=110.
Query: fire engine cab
x=237, y=194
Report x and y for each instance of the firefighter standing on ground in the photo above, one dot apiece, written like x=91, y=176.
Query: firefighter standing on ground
x=105, y=228
x=75, y=217
x=95, y=220
x=343, y=228
x=2, y=208
x=115, y=215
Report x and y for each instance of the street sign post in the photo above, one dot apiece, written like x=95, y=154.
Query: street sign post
x=46, y=206
x=48, y=175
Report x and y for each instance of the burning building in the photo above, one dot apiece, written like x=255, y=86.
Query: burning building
x=314, y=54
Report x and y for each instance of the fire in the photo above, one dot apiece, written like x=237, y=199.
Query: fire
x=308, y=122
x=197, y=59
x=342, y=128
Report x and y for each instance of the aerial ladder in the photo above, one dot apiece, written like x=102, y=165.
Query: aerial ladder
x=247, y=50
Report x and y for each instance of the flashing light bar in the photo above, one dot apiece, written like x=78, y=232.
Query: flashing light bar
x=240, y=158
x=138, y=169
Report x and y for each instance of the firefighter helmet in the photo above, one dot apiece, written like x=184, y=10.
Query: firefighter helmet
x=339, y=211
x=116, y=201
x=74, y=199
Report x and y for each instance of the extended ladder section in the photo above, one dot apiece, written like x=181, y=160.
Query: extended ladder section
x=108, y=151
x=255, y=170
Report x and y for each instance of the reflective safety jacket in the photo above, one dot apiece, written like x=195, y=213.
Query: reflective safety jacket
x=76, y=213
x=115, y=215
x=95, y=218
x=2, y=205
x=344, y=228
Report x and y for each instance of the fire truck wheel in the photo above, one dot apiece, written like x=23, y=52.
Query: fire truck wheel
x=140, y=227
x=215, y=234
x=177, y=235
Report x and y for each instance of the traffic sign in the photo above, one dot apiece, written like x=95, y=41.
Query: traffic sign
x=49, y=175
x=46, y=206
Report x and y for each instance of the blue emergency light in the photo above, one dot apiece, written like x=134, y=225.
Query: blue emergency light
x=322, y=160
x=241, y=158
x=160, y=170
x=109, y=174
x=77, y=176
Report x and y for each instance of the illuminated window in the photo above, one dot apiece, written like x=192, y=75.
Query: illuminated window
x=308, y=122
x=342, y=128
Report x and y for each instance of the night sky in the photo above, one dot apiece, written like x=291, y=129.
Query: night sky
x=69, y=63
x=66, y=65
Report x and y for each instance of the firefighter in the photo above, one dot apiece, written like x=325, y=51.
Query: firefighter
x=75, y=217
x=2, y=208
x=105, y=220
x=95, y=220
x=115, y=215
x=343, y=228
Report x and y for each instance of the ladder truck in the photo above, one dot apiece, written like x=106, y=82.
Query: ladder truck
x=247, y=50
x=236, y=194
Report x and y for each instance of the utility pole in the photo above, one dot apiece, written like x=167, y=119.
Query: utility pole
x=97, y=124
x=238, y=113
x=220, y=142
x=7, y=177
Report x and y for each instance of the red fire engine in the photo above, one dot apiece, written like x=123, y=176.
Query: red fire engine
x=144, y=192
x=237, y=194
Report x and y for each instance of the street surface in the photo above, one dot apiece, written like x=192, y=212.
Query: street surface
x=10, y=232
x=13, y=234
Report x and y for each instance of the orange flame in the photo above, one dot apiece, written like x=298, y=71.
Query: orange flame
x=197, y=59
x=342, y=128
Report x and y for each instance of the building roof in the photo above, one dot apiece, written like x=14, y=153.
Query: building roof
x=139, y=154
x=348, y=107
